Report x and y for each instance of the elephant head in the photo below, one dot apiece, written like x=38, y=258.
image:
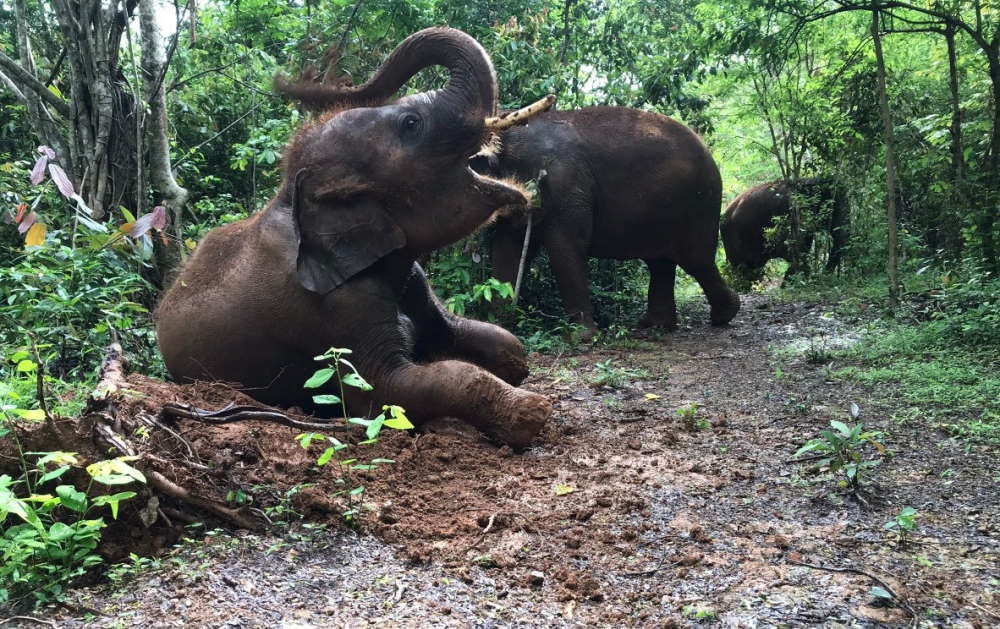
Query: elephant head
x=370, y=177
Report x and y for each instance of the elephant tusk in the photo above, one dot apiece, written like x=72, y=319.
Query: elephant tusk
x=511, y=118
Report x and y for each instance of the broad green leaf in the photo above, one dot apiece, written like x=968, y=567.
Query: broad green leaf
x=880, y=592
x=375, y=427
x=356, y=381
x=318, y=379
x=56, y=473
x=398, y=420
x=25, y=366
x=326, y=399
x=59, y=532
x=306, y=438
x=326, y=456
x=71, y=498
x=841, y=427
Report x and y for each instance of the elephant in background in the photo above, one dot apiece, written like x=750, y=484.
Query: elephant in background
x=367, y=187
x=613, y=183
x=777, y=219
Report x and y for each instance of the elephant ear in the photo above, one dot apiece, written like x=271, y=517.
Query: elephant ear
x=339, y=238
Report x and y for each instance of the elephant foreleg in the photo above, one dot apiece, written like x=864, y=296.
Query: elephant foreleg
x=723, y=301
x=661, y=310
x=440, y=334
x=569, y=266
x=452, y=388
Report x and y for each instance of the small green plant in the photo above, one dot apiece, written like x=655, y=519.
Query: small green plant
x=337, y=451
x=57, y=536
x=903, y=524
x=689, y=416
x=841, y=448
x=698, y=613
x=607, y=375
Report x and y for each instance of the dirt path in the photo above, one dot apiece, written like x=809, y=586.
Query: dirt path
x=624, y=514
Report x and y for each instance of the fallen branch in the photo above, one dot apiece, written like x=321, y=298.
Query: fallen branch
x=166, y=486
x=112, y=375
x=40, y=621
x=896, y=597
x=232, y=413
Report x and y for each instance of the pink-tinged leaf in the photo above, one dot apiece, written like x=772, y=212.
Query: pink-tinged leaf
x=62, y=181
x=38, y=172
x=141, y=225
x=46, y=151
x=26, y=223
x=21, y=209
x=159, y=217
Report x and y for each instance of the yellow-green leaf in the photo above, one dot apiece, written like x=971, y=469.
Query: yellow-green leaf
x=34, y=414
x=35, y=236
x=652, y=396
x=562, y=490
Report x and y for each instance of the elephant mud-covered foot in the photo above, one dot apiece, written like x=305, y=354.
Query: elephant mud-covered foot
x=528, y=414
x=657, y=322
x=724, y=313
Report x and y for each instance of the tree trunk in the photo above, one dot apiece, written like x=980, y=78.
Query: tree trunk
x=87, y=128
x=157, y=143
x=950, y=224
x=988, y=214
x=890, y=161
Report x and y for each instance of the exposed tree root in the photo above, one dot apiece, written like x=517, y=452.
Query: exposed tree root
x=233, y=413
x=109, y=430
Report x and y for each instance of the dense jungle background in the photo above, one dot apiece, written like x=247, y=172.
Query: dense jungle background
x=129, y=128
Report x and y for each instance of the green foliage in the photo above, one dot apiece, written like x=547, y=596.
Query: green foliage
x=688, y=415
x=74, y=301
x=479, y=297
x=842, y=450
x=608, y=375
x=904, y=523
x=49, y=539
x=339, y=452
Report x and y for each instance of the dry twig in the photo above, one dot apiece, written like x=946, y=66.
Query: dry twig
x=896, y=597
x=232, y=413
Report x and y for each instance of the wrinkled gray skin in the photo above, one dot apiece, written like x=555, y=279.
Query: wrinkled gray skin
x=617, y=183
x=760, y=209
x=330, y=262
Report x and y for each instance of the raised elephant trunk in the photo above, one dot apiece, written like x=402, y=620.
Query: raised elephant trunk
x=470, y=94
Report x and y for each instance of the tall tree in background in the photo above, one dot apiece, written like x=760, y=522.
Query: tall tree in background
x=890, y=160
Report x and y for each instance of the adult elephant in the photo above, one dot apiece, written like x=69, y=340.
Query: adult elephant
x=330, y=262
x=613, y=183
x=780, y=219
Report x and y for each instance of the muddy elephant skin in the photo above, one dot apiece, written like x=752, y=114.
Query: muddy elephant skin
x=330, y=262
x=614, y=183
x=760, y=225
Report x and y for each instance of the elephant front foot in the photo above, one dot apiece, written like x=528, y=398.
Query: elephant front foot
x=526, y=417
x=724, y=314
x=664, y=322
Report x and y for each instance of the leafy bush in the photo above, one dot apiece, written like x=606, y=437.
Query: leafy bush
x=842, y=450
x=49, y=539
x=74, y=301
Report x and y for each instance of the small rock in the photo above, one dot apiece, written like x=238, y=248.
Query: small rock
x=603, y=501
x=535, y=578
x=634, y=444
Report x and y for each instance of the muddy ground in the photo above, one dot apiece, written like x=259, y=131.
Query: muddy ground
x=623, y=513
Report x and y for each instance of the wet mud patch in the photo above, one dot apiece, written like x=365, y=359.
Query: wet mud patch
x=667, y=499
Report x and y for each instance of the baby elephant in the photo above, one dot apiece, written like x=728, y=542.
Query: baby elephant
x=330, y=262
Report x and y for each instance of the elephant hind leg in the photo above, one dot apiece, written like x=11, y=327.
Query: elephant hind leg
x=661, y=309
x=723, y=301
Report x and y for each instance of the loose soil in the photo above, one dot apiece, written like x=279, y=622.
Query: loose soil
x=622, y=513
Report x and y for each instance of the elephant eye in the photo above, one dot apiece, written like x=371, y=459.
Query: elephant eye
x=410, y=124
